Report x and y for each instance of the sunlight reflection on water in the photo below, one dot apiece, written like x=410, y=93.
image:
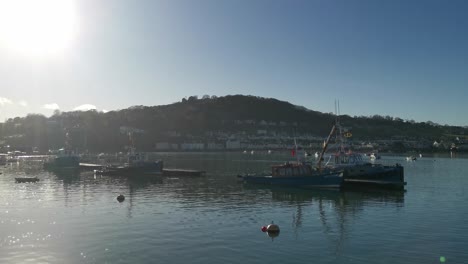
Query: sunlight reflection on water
x=76, y=218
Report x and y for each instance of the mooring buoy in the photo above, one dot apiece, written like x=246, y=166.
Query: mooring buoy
x=273, y=228
x=120, y=198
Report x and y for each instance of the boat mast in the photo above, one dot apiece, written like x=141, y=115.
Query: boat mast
x=319, y=163
x=295, y=150
x=339, y=136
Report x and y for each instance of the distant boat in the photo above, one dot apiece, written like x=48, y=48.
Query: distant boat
x=411, y=158
x=374, y=156
x=26, y=179
x=3, y=159
x=65, y=159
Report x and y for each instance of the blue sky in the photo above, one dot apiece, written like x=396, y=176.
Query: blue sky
x=406, y=59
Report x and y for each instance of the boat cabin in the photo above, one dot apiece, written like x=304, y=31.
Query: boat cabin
x=65, y=153
x=343, y=159
x=136, y=158
x=291, y=169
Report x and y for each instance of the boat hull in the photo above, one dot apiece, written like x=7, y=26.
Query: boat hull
x=26, y=179
x=70, y=162
x=332, y=180
x=378, y=176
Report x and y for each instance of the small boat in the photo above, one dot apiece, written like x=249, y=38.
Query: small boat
x=26, y=179
x=411, y=158
x=297, y=175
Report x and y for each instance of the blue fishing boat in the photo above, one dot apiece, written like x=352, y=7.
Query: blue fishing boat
x=298, y=175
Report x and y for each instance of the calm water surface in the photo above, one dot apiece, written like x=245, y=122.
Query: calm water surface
x=75, y=218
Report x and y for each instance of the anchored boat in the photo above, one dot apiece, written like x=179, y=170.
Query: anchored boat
x=65, y=159
x=355, y=170
x=26, y=179
x=297, y=175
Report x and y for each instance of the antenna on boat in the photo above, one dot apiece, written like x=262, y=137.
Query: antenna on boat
x=295, y=150
x=340, y=129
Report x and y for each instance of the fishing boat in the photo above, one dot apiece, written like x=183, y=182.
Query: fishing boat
x=64, y=159
x=355, y=170
x=297, y=175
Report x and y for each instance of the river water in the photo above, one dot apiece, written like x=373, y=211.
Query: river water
x=75, y=218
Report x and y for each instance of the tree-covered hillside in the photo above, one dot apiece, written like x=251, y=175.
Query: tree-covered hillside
x=203, y=120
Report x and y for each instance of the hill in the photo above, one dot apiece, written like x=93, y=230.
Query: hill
x=209, y=120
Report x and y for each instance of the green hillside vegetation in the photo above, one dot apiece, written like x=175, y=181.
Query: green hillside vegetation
x=203, y=120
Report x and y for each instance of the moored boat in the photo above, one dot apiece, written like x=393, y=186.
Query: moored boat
x=298, y=175
x=355, y=170
x=65, y=159
x=26, y=179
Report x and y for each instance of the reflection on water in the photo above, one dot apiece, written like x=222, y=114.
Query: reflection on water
x=335, y=208
x=74, y=217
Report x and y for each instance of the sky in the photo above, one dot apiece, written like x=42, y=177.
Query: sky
x=406, y=59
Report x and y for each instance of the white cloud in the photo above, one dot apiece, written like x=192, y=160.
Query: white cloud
x=85, y=107
x=23, y=103
x=52, y=106
x=4, y=101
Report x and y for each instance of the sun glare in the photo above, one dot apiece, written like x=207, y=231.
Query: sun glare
x=37, y=27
